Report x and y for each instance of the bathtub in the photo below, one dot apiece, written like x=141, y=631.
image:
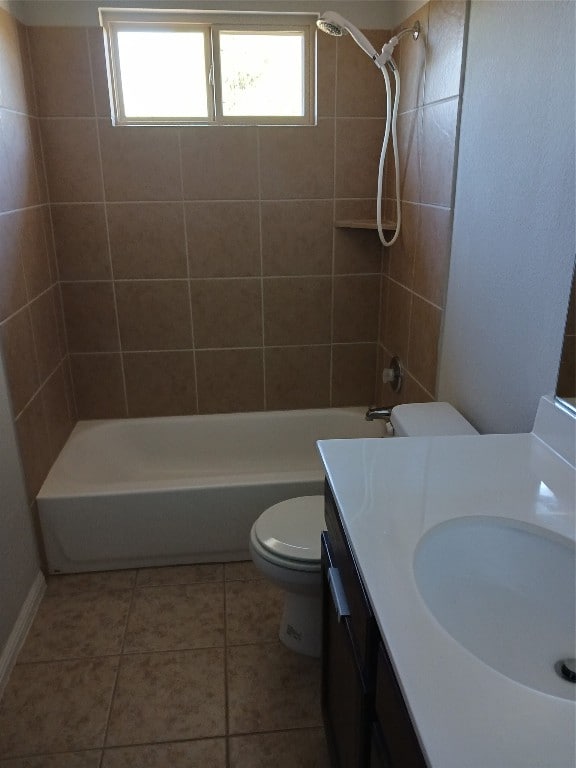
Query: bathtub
x=165, y=491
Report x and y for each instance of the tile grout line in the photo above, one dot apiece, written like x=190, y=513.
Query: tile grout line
x=187, y=249
x=333, y=268
x=260, y=236
x=225, y=670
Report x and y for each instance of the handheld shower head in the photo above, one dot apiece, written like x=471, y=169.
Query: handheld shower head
x=334, y=24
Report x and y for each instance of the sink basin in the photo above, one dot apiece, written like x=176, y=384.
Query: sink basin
x=506, y=592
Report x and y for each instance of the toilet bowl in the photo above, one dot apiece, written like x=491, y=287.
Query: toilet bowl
x=285, y=547
x=285, y=540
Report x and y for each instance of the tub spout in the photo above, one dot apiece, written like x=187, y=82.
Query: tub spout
x=379, y=412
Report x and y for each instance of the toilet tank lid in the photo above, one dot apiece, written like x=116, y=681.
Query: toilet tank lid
x=429, y=419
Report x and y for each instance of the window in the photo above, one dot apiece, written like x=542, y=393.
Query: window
x=195, y=67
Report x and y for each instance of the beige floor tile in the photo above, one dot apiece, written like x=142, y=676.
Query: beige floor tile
x=76, y=583
x=253, y=612
x=179, y=574
x=168, y=697
x=68, y=760
x=56, y=706
x=77, y=625
x=303, y=748
x=244, y=570
x=271, y=688
x=208, y=753
x=176, y=618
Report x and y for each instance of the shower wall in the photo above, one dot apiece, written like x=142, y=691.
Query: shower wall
x=31, y=326
x=416, y=273
x=200, y=268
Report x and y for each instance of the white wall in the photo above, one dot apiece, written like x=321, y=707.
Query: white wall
x=514, y=224
x=19, y=564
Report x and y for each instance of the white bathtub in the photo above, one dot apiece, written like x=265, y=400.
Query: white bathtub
x=187, y=489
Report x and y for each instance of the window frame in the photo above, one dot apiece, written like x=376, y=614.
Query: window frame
x=212, y=23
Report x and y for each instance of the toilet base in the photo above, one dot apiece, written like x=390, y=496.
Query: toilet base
x=301, y=624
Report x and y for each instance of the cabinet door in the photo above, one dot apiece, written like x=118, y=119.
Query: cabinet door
x=344, y=702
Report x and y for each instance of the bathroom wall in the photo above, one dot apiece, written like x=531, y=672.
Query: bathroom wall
x=415, y=273
x=515, y=215
x=200, y=268
x=31, y=327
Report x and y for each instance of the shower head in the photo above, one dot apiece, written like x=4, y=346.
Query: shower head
x=334, y=24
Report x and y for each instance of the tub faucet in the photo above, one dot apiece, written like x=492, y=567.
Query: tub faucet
x=379, y=412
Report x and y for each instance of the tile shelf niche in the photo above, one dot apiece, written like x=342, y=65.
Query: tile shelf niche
x=387, y=226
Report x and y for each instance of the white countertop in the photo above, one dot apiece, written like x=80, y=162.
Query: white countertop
x=390, y=492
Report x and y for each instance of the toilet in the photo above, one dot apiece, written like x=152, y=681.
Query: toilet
x=285, y=540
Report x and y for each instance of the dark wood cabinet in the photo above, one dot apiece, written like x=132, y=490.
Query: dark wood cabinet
x=366, y=720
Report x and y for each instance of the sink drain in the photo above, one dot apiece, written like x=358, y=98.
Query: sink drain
x=566, y=669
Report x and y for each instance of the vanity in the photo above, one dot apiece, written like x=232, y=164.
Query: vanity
x=449, y=596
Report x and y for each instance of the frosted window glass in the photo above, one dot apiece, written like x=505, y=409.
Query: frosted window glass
x=163, y=74
x=262, y=74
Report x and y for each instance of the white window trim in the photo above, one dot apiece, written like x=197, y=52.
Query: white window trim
x=211, y=23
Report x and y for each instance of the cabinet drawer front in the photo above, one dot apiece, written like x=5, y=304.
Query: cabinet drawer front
x=393, y=718
x=360, y=619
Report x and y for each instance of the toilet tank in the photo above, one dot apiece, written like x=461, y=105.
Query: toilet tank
x=428, y=419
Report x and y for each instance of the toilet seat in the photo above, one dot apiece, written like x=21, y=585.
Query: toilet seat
x=288, y=533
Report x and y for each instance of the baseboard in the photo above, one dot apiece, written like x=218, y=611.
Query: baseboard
x=20, y=629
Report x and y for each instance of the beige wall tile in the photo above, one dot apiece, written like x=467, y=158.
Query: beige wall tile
x=290, y=370
x=45, y=327
x=410, y=56
x=34, y=251
x=297, y=162
x=13, y=86
x=353, y=374
x=297, y=310
x=357, y=250
x=433, y=253
x=358, y=146
x=297, y=237
x=72, y=160
x=12, y=283
x=230, y=380
x=409, y=142
x=227, y=313
x=326, y=75
x=140, y=163
x=33, y=440
x=98, y=386
x=81, y=242
x=56, y=410
x=62, y=71
x=90, y=317
x=438, y=150
x=220, y=163
x=100, y=78
x=20, y=358
x=397, y=323
x=445, y=44
x=147, y=240
x=154, y=314
x=20, y=187
x=360, y=90
x=356, y=308
x=160, y=383
x=424, y=339
x=223, y=239
x=36, y=139
x=403, y=252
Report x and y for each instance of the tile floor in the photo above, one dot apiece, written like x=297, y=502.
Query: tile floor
x=161, y=668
